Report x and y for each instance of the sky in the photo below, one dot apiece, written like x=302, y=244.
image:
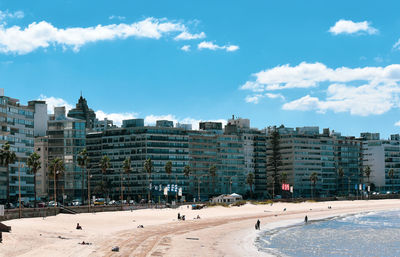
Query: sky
x=299, y=63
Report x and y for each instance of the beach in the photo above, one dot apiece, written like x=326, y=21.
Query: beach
x=220, y=231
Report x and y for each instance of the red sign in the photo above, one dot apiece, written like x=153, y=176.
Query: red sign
x=285, y=187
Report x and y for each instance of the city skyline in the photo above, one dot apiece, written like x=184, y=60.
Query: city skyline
x=337, y=68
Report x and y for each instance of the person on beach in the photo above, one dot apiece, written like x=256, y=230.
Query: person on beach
x=179, y=216
x=306, y=219
x=258, y=224
x=78, y=226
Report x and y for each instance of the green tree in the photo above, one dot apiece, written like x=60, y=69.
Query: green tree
x=213, y=173
x=340, y=174
x=367, y=172
x=168, y=170
x=83, y=160
x=126, y=166
x=186, y=173
x=313, y=179
x=250, y=182
x=391, y=176
x=34, y=164
x=56, y=168
x=275, y=160
x=7, y=157
x=148, y=166
x=104, y=166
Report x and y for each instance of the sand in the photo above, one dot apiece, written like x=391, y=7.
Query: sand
x=221, y=231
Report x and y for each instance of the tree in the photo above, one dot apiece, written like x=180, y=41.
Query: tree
x=213, y=173
x=83, y=160
x=250, y=182
x=148, y=166
x=104, y=166
x=126, y=166
x=186, y=172
x=340, y=174
x=391, y=176
x=34, y=164
x=367, y=172
x=313, y=179
x=274, y=161
x=56, y=168
x=7, y=157
x=168, y=170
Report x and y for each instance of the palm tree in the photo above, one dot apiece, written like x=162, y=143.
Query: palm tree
x=250, y=182
x=7, y=157
x=168, y=170
x=340, y=173
x=83, y=160
x=367, y=172
x=391, y=176
x=104, y=165
x=126, y=166
x=186, y=172
x=57, y=168
x=34, y=164
x=313, y=179
x=148, y=166
x=213, y=173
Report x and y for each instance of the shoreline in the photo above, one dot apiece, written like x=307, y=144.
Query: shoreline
x=221, y=231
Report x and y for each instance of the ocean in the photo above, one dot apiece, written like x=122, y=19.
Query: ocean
x=366, y=234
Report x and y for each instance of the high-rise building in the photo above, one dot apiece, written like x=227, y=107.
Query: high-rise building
x=19, y=124
x=83, y=112
x=66, y=139
x=382, y=156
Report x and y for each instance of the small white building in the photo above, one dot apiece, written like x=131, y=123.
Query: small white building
x=227, y=198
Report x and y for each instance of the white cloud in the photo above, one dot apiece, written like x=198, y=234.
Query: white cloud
x=55, y=102
x=43, y=34
x=188, y=36
x=185, y=48
x=117, y=118
x=359, y=91
x=255, y=99
x=306, y=75
x=116, y=17
x=351, y=27
x=397, y=45
x=4, y=15
x=211, y=46
x=397, y=124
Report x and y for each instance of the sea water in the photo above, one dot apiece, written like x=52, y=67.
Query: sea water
x=366, y=234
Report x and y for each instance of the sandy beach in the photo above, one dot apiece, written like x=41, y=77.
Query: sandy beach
x=220, y=231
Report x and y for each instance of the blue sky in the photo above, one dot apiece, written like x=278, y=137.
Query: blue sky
x=308, y=63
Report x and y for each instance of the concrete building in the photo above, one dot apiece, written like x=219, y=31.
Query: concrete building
x=19, y=124
x=305, y=150
x=83, y=112
x=382, y=156
x=41, y=147
x=138, y=142
x=66, y=139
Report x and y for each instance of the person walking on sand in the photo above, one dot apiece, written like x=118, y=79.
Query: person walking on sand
x=258, y=224
x=306, y=219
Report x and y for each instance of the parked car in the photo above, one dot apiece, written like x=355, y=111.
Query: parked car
x=99, y=201
x=76, y=202
x=52, y=204
x=9, y=206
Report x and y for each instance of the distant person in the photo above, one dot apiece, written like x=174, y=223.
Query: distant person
x=258, y=224
x=179, y=216
x=198, y=217
x=306, y=219
x=78, y=226
x=183, y=217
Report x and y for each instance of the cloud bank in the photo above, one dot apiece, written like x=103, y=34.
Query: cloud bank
x=43, y=34
x=358, y=91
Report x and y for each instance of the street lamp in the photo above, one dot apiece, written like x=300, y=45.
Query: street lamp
x=198, y=185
